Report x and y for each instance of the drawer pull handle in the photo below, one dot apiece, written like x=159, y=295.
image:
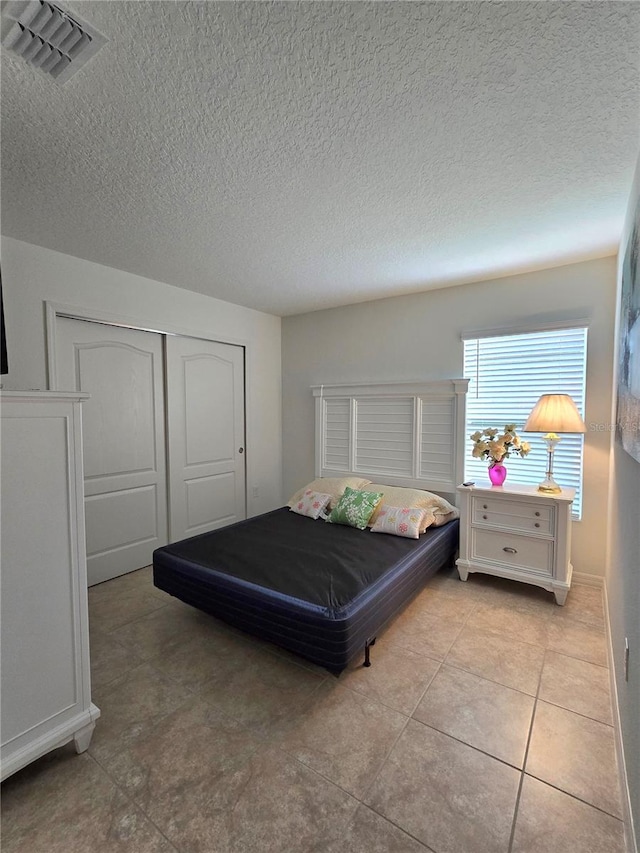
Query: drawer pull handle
x=537, y=514
x=484, y=506
x=537, y=524
x=485, y=517
x=510, y=550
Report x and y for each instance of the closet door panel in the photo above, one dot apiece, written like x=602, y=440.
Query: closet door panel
x=205, y=417
x=123, y=440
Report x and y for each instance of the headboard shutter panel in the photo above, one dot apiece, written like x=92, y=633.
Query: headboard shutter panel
x=399, y=433
x=384, y=435
x=436, y=449
x=337, y=434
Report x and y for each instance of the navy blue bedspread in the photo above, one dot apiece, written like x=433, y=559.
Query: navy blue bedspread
x=321, y=590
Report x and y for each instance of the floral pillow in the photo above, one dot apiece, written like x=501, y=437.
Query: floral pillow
x=311, y=504
x=355, y=508
x=408, y=521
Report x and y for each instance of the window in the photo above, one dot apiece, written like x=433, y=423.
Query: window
x=507, y=374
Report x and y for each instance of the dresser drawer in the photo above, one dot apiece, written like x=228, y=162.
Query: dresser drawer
x=535, y=555
x=523, y=516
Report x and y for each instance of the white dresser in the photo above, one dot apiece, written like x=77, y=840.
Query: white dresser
x=46, y=695
x=517, y=532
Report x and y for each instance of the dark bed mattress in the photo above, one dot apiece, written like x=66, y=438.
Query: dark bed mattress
x=320, y=590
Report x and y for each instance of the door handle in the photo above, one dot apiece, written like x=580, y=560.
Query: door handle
x=241, y=450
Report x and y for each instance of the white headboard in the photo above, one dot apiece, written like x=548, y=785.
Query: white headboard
x=398, y=433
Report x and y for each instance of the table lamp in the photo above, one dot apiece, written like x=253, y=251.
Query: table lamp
x=553, y=414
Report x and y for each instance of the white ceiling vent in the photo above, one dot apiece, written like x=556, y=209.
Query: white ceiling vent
x=49, y=38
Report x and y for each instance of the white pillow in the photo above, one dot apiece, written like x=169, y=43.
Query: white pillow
x=311, y=504
x=400, y=496
x=439, y=520
x=402, y=521
x=333, y=486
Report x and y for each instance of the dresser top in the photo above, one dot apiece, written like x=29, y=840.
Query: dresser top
x=518, y=490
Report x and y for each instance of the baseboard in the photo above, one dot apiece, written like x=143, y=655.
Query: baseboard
x=588, y=580
x=629, y=831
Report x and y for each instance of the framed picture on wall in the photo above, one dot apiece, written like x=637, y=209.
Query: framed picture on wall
x=628, y=415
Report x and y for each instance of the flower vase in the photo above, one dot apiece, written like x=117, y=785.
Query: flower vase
x=497, y=474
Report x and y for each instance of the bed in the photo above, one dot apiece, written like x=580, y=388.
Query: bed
x=323, y=591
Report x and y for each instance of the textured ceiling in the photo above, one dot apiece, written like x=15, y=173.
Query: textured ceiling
x=292, y=156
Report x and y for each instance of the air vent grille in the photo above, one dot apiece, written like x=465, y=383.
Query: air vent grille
x=49, y=38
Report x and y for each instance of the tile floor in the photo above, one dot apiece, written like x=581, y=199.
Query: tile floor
x=483, y=726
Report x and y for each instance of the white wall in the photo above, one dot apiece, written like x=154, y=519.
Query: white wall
x=623, y=575
x=31, y=275
x=418, y=336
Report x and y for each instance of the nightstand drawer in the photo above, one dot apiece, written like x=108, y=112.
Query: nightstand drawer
x=514, y=515
x=536, y=555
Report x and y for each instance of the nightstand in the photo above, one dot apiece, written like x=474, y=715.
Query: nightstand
x=517, y=532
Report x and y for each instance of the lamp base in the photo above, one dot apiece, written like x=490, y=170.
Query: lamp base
x=549, y=486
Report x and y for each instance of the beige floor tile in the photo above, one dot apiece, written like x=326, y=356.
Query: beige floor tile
x=130, y=705
x=396, y=678
x=450, y=796
x=550, y=821
x=65, y=803
x=449, y=583
x=368, y=832
x=344, y=736
x=269, y=803
x=489, y=716
x=263, y=691
x=584, y=604
x=168, y=770
x=164, y=630
x=576, y=685
x=502, y=659
x=578, y=640
x=109, y=658
x=425, y=634
x=208, y=656
x=575, y=754
x=440, y=601
x=109, y=612
x=505, y=621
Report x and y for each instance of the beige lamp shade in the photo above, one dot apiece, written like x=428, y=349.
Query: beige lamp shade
x=555, y=413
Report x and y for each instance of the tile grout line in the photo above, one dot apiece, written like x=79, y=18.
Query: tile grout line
x=575, y=797
x=525, y=758
x=469, y=745
x=577, y=713
x=130, y=799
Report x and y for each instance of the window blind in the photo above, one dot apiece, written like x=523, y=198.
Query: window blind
x=507, y=374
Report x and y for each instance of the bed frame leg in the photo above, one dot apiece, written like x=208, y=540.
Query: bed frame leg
x=367, y=655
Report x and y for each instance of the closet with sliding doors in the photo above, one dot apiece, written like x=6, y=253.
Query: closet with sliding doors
x=163, y=437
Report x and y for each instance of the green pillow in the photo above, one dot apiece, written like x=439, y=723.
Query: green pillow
x=355, y=508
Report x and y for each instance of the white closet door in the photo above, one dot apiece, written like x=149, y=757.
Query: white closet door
x=205, y=418
x=123, y=441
